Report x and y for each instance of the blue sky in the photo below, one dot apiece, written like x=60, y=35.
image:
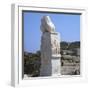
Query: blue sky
x=67, y=24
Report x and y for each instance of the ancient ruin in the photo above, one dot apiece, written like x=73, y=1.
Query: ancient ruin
x=50, y=49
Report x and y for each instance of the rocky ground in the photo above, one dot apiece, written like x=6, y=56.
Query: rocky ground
x=70, y=70
x=71, y=66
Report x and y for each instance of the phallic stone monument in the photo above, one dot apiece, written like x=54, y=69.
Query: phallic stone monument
x=50, y=48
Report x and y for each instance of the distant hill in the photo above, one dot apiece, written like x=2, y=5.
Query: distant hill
x=69, y=45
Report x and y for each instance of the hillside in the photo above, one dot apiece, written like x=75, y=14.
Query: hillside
x=70, y=55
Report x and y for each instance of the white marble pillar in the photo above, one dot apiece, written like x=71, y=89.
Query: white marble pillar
x=50, y=50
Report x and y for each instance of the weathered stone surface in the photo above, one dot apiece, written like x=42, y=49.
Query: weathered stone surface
x=47, y=25
x=50, y=49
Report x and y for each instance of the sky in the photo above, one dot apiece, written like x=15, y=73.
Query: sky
x=68, y=25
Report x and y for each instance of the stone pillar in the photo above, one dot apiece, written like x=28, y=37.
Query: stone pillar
x=50, y=52
x=55, y=54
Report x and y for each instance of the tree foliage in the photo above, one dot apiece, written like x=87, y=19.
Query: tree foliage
x=32, y=63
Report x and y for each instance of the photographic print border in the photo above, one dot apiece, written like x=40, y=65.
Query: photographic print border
x=16, y=41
